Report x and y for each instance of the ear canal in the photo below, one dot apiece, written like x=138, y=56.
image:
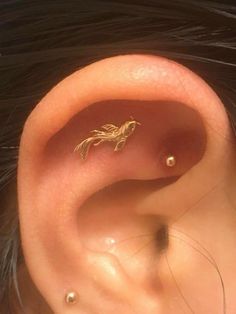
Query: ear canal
x=76, y=214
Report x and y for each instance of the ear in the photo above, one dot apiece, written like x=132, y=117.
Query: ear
x=74, y=212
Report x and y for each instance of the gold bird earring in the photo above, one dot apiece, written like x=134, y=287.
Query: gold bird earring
x=108, y=133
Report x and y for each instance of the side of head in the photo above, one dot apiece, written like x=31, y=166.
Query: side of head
x=121, y=231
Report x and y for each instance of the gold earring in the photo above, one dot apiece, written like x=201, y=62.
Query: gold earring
x=71, y=297
x=109, y=133
x=170, y=161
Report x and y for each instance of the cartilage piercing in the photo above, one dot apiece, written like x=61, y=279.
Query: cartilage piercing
x=108, y=133
x=170, y=161
x=71, y=297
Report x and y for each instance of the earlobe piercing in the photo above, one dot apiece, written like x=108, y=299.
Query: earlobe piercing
x=170, y=161
x=109, y=133
x=71, y=297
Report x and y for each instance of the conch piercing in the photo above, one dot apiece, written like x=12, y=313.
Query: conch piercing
x=170, y=161
x=109, y=133
x=71, y=297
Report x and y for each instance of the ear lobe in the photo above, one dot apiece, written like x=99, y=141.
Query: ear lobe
x=54, y=184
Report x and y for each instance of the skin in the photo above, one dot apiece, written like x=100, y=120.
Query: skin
x=122, y=229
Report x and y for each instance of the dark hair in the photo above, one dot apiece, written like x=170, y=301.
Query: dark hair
x=41, y=42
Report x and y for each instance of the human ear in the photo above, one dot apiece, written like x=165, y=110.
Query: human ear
x=74, y=212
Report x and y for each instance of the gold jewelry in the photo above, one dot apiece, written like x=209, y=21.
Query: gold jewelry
x=170, y=161
x=71, y=297
x=109, y=133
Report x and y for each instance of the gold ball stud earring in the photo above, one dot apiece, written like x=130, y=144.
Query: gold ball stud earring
x=170, y=161
x=71, y=297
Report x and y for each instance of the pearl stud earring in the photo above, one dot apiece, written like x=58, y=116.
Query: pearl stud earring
x=170, y=161
x=71, y=297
